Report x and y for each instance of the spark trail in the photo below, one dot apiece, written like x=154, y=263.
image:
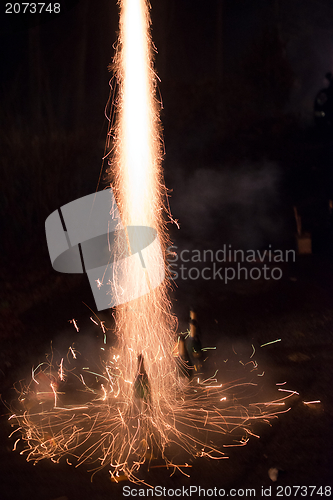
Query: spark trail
x=116, y=423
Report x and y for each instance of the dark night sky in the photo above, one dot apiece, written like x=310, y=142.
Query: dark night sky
x=186, y=35
x=233, y=73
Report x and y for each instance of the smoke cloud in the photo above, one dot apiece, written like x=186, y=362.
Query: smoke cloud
x=239, y=205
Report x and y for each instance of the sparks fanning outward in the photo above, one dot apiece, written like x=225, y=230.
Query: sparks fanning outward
x=138, y=409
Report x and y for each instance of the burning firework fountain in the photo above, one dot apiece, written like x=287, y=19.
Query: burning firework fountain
x=145, y=325
x=141, y=408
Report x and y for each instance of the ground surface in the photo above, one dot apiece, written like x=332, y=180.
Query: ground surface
x=298, y=309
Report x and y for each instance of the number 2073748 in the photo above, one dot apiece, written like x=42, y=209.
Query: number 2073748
x=303, y=491
x=32, y=8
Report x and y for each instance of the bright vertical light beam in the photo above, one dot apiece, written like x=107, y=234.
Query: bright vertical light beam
x=145, y=326
x=138, y=133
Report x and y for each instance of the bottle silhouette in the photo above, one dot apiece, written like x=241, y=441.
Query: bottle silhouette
x=193, y=344
x=141, y=382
